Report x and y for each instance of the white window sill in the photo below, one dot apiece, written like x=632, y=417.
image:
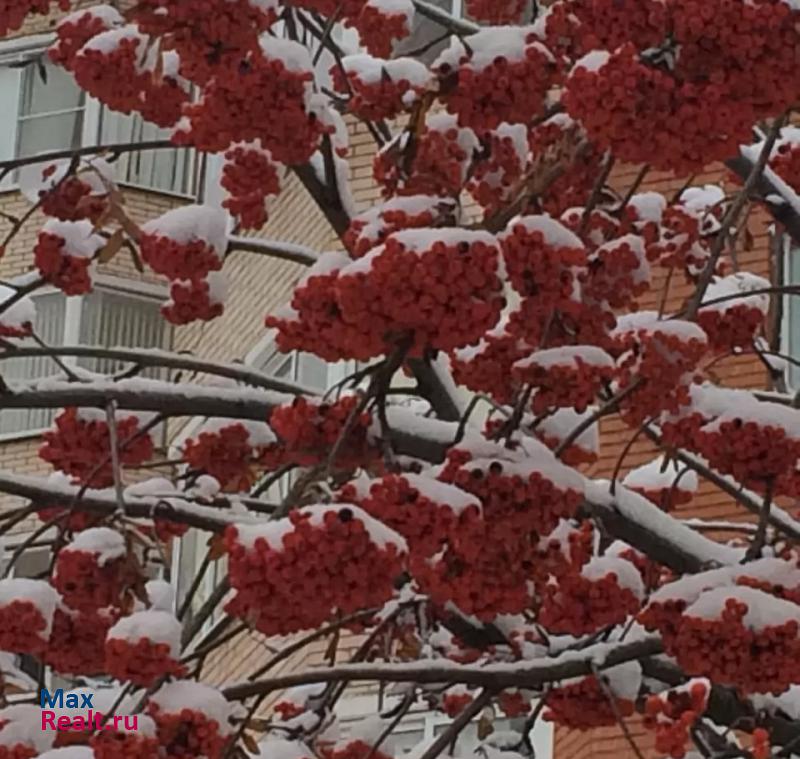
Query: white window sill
x=13, y=437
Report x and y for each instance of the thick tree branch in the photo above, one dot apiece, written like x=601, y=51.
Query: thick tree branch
x=523, y=674
x=287, y=251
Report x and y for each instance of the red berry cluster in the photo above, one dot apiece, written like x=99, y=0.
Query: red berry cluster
x=672, y=714
x=492, y=88
x=753, y=452
x=568, y=377
x=211, y=36
x=518, y=499
x=142, y=663
x=496, y=11
x=267, y=99
x=227, y=453
x=251, y=178
x=667, y=498
x=315, y=323
x=77, y=641
x=584, y=705
x=416, y=507
x=735, y=326
x=13, y=12
x=194, y=299
x=617, y=273
x=440, y=286
x=378, y=28
x=308, y=431
x=72, y=199
x=499, y=170
x=318, y=561
x=23, y=628
x=379, y=89
x=86, y=584
x=540, y=256
x=455, y=700
x=618, y=98
x=579, y=605
x=76, y=29
x=110, y=744
x=68, y=272
x=353, y=749
x=514, y=704
x=187, y=733
x=785, y=162
x=661, y=356
x=438, y=165
x=607, y=24
x=371, y=228
x=179, y=259
x=729, y=651
x=564, y=551
x=80, y=445
x=487, y=367
x=681, y=243
x=72, y=521
x=762, y=748
x=561, y=141
x=17, y=751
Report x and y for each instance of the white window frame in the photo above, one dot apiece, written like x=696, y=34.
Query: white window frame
x=73, y=314
x=20, y=49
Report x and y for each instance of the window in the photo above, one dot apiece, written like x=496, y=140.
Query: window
x=425, y=32
x=105, y=317
x=166, y=170
x=51, y=110
x=44, y=109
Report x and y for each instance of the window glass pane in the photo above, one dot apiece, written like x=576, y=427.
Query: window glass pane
x=58, y=93
x=167, y=170
x=312, y=371
x=49, y=326
x=50, y=113
x=424, y=31
x=112, y=319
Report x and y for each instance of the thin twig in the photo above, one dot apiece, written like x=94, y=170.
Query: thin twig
x=113, y=441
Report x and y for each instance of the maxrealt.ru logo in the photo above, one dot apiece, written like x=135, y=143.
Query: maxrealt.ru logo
x=87, y=719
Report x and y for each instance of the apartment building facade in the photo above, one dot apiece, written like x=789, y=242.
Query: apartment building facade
x=45, y=111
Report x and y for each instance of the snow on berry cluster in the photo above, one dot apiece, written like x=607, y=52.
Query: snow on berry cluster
x=618, y=98
x=380, y=89
x=92, y=572
x=663, y=483
x=486, y=367
x=617, y=273
x=438, y=164
x=371, y=228
x=67, y=196
x=499, y=74
x=498, y=171
x=735, y=625
x=439, y=287
x=660, y=355
x=602, y=593
x=192, y=719
x=144, y=647
x=566, y=377
x=251, y=179
x=734, y=322
x=671, y=714
x=308, y=431
x=187, y=245
x=556, y=428
x=382, y=22
x=80, y=444
x=63, y=254
x=268, y=99
x=754, y=441
x=120, y=743
x=27, y=608
x=584, y=703
x=124, y=70
x=210, y=38
x=229, y=450
x=21, y=734
x=77, y=28
x=295, y=573
x=421, y=509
